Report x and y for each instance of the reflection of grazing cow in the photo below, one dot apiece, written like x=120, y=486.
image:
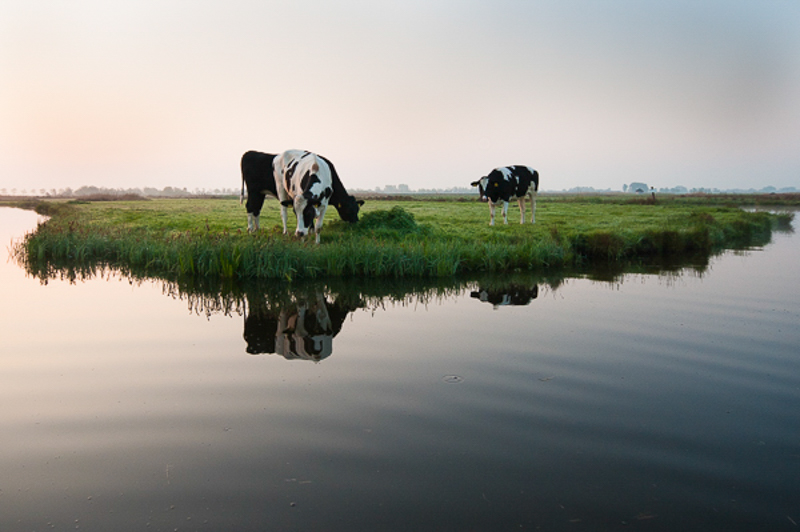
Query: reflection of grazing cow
x=515, y=295
x=307, y=333
x=503, y=184
x=303, y=330
x=257, y=174
x=309, y=182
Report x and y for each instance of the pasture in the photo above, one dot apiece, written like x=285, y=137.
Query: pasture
x=415, y=237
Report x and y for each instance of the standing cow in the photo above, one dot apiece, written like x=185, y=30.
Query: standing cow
x=506, y=183
x=257, y=174
x=309, y=183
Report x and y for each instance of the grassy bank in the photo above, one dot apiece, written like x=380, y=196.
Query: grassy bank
x=411, y=238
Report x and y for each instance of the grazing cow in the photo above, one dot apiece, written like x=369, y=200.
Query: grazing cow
x=507, y=182
x=309, y=182
x=258, y=176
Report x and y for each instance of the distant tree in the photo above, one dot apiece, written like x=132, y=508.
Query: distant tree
x=624, y=188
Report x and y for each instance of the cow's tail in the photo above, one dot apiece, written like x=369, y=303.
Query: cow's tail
x=241, y=194
x=535, y=181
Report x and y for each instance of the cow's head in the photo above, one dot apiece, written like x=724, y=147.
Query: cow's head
x=306, y=208
x=348, y=208
x=481, y=184
x=496, y=186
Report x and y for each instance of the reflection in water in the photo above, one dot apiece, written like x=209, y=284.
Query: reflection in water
x=512, y=294
x=304, y=329
x=300, y=319
x=649, y=405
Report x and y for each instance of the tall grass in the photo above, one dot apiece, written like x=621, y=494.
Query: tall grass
x=190, y=239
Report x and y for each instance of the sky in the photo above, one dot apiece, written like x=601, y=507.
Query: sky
x=428, y=93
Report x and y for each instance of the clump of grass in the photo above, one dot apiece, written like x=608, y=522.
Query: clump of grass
x=395, y=219
x=392, y=224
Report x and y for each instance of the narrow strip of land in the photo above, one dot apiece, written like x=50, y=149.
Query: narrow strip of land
x=417, y=237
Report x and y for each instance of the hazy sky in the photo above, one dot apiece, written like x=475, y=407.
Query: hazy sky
x=430, y=93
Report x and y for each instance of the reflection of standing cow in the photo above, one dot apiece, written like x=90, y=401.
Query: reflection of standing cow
x=513, y=295
x=301, y=330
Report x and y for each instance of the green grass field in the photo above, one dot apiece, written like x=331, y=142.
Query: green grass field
x=173, y=238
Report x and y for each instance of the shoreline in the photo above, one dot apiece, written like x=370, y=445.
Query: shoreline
x=177, y=238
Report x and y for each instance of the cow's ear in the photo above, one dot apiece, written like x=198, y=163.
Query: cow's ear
x=475, y=183
x=360, y=202
x=286, y=203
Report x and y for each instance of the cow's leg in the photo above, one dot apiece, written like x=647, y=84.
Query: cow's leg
x=521, y=203
x=253, y=222
x=533, y=207
x=254, y=204
x=505, y=212
x=284, y=217
x=491, y=212
x=320, y=216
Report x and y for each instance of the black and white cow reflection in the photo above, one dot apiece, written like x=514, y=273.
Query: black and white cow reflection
x=301, y=330
x=510, y=295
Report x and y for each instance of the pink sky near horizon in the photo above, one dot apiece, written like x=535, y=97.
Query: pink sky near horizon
x=431, y=94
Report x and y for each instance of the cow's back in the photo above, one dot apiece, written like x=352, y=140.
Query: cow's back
x=526, y=178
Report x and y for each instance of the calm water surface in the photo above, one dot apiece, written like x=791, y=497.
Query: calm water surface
x=654, y=402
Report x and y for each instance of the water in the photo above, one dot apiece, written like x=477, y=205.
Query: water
x=653, y=402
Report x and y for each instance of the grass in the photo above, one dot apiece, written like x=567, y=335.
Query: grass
x=206, y=238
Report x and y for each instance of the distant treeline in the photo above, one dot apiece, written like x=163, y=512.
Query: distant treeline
x=394, y=190
x=92, y=191
x=174, y=192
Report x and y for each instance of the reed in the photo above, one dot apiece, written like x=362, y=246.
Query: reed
x=205, y=238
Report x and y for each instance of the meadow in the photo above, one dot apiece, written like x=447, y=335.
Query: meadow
x=396, y=237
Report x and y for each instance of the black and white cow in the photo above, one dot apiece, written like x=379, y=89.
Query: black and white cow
x=258, y=176
x=309, y=183
x=507, y=183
